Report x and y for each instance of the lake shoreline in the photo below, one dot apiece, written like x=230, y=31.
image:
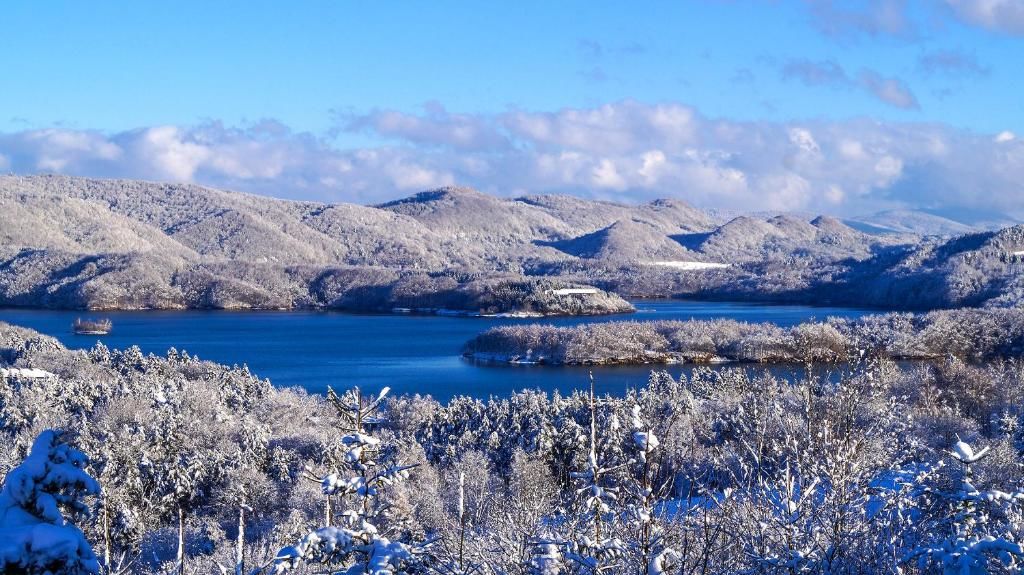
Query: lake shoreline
x=668, y=360
x=454, y=312
x=411, y=353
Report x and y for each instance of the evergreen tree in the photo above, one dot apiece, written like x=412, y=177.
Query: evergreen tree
x=595, y=548
x=358, y=546
x=645, y=537
x=35, y=535
x=982, y=529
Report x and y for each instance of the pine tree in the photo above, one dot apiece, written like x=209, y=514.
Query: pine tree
x=646, y=541
x=982, y=527
x=35, y=536
x=358, y=546
x=594, y=548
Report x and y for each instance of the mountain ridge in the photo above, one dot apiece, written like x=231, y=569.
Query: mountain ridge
x=78, y=242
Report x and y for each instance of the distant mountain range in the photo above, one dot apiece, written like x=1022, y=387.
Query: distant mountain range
x=927, y=223
x=904, y=221
x=86, y=243
x=910, y=222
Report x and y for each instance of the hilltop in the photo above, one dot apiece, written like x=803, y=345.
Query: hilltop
x=111, y=244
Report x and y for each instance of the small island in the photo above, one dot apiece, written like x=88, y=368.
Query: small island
x=969, y=334
x=92, y=326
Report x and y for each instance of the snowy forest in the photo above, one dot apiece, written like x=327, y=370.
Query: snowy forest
x=683, y=287
x=119, y=462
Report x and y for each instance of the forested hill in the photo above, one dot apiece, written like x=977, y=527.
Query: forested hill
x=445, y=228
x=86, y=243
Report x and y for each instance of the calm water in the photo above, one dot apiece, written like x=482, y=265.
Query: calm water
x=411, y=354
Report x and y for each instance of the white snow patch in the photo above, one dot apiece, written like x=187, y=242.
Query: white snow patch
x=573, y=291
x=25, y=373
x=688, y=266
x=645, y=440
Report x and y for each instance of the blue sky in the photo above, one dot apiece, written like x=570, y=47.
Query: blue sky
x=182, y=90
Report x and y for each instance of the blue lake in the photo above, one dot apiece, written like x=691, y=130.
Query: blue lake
x=409, y=353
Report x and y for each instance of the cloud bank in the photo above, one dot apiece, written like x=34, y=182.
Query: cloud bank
x=627, y=151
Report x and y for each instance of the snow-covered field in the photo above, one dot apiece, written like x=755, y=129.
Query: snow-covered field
x=688, y=266
x=574, y=291
x=25, y=372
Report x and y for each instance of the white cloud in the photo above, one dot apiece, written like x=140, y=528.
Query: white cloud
x=851, y=149
x=827, y=73
x=173, y=157
x=624, y=150
x=835, y=194
x=651, y=166
x=888, y=169
x=435, y=126
x=605, y=175
x=607, y=129
x=803, y=139
x=871, y=18
x=58, y=149
x=1005, y=136
x=407, y=176
x=892, y=91
x=1002, y=15
x=845, y=21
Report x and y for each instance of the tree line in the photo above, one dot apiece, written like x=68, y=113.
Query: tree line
x=969, y=334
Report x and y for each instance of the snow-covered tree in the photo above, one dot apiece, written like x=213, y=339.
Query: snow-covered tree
x=475, y=505
x=978, y=532
x=645, y=537
x=359, y=545
x=183, y=456
x=245, y=486
x=594, y=546
x=35, y=535
x=519, y=520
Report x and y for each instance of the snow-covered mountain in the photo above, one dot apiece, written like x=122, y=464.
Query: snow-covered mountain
x=78, y=242
x=930, y=223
